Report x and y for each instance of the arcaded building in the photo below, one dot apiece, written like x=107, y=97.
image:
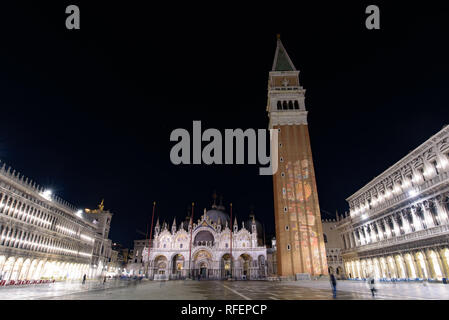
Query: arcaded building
x=398, y=223
x=334, y=246
x=44, y=237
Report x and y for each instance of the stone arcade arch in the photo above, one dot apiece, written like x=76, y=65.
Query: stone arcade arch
x=161, y=267
x=2, y=263
x=32, y=269
x=8, y=267
x=39, y=270
x=437, y=272
x=245, y=265
x=204, y=238
x=16, y=269
x=225, y=266
x=202, y=261
x=424, y=273
x=25, y=269
x=178, y=266
x=410, y=266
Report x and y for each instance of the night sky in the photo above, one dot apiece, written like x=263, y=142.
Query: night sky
x=88, y=113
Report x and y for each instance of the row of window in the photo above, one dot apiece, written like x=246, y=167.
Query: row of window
x=334, y=259
x=416, y=223
x=16, y=238
x=402, y=181
x=27, y=213
x=288, y=105
x=35, y=200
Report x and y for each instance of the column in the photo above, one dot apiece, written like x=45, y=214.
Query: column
x=1, y=202
x=416, y=221
x=387, y=228
x=397, y=230
x=440, y=262
x=351, y=244
x=442, y=252
x=417, y=266
x=385, y=267
x=361, y=237
x=404, y=265
x=343, y=239
x=405, y=222
x=372, y=233
x=429, y=264
x=354, y=238
x=395, y=267
x=8, y=236
x=366, y=234
x=377, y=233
x=441, y=210
x=3, y=236
x=427, y=215
x=379, y=230
x=408, y=267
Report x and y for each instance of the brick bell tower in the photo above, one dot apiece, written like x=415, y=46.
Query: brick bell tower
x=299, y=233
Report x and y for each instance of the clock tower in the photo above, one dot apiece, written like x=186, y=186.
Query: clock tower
x=299, y=233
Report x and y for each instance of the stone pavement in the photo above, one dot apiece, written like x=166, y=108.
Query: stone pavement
x=223, y=290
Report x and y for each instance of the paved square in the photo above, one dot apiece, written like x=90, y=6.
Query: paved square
x=224, y=290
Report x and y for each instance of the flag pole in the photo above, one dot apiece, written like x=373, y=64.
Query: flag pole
x=151, y=236
x=190, y=246
x=231, y=238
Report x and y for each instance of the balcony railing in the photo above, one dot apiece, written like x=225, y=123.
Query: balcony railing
x=442, y=177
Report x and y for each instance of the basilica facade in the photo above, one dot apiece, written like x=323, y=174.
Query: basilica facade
x=203, y=249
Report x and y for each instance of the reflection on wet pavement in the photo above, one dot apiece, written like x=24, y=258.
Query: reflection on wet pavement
x=223, y=290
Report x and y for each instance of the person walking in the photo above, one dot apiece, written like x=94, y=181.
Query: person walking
x=334, y=285
x=84, y=279
x=371, y=286
x=104, y=280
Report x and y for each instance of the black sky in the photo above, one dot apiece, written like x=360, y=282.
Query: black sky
x=89, y=112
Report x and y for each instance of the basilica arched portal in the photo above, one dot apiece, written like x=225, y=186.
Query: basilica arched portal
x=202, y=260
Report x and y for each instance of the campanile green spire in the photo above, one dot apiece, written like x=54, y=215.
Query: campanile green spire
x=282, y=61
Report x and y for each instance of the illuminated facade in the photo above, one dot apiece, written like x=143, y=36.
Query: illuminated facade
x=210, y=251
x=44, y=237
x=398, y=226
x=334, y=247
x=299, y=235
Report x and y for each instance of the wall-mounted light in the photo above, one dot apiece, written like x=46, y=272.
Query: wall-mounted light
x=47, y=194
x=412, y=193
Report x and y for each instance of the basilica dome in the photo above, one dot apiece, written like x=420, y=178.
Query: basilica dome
x=217, y=213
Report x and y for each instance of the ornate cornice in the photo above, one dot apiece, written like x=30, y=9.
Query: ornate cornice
x=282, y=118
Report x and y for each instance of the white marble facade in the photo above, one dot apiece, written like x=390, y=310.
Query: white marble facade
x=203, y=252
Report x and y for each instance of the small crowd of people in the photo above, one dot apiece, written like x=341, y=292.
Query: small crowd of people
x=370, y=282
x=101, y=279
